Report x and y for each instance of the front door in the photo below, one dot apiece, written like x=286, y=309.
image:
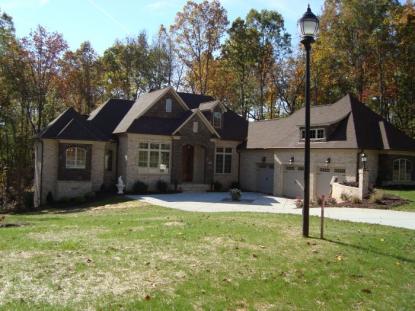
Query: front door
x=187, y=158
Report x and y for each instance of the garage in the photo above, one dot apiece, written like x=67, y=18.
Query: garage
x=324, y=176
x=293, y=185
x=265, y=178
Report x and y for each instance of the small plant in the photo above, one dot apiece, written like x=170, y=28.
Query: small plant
x=64, y=200
x=140, y=187
x=320, y=200
x=89, y=196
x=345, y=197
x=235, y=185
x=79, y=200
x=299, y=203
x=162, y=186
x=49, y=198
x=377, y=196
x=217, y=186
x=356, y=200
x=235, y=194
x=331, y=201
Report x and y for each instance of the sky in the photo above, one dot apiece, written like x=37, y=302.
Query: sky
x=103, y=21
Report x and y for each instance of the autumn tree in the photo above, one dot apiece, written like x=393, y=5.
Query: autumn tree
x=81, y=78
x=197, y=31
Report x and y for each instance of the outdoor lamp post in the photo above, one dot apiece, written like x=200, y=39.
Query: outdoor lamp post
x=308, y=28
x=364, y=160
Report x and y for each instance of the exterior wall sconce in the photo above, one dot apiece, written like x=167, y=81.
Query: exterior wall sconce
x=264, y=159
x=328, y=160
x=291, y=160
x=363, y=157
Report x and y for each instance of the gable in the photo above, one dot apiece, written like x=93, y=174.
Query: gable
x=186, y=129
x=158, y=109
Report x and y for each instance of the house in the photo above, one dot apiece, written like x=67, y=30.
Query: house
x=340, y=134
x=183, y=139
x=191, y=141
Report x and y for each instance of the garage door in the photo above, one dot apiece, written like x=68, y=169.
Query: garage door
x=293, y=185
x=265, y=178
x=324, y=176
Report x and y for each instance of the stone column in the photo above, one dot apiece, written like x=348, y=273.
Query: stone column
x=363, y=183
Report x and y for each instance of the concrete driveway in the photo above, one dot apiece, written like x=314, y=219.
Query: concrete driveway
x=256, y=202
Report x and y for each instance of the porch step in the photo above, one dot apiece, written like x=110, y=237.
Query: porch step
x=190, y=187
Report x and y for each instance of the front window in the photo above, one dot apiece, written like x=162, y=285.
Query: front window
x=223, y=160
x=402, y=170
x=154, y=156
x=315, y=134
x=75, y=158
x=217, y=119
x=168, y=105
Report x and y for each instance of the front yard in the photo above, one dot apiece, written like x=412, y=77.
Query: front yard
x=134, y=256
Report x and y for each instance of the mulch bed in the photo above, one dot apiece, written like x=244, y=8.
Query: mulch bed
x=388, y=202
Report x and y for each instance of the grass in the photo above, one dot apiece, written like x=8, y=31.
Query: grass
x=133, y=256
x=408, y=194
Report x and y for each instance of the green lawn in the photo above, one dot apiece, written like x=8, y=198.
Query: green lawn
x=408, y=194
x=133, y=256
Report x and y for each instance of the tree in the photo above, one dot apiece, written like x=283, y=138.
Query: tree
x=273, y=44
x=197, y=30
x=81, y=77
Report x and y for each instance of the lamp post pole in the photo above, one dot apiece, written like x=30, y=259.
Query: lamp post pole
x=306, y=207
x=308, y=26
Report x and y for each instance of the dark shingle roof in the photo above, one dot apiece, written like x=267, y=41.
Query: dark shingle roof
x=108, y=115
x=71, y=125
x=354, y=126
x=194, y=100
x=234, y=127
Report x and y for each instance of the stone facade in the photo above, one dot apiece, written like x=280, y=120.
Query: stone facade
x=159, y=109
x=203, y=138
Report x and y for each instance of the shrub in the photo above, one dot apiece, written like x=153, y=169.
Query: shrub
x=89, y=196
x=49, y=198
x=217, y=186
x=79, y=200
x=235, y=194
x=162, y=186
x=235, y=185
x=28, y=197
x=377, y=196
x=140, y=187
x=356, y=200
x=64, y=200
x=331, y=201
x=320, y=200
x=345, y=197
x=299, y=203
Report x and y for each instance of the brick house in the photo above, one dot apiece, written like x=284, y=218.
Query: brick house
x=184, y=139
x=192, y=141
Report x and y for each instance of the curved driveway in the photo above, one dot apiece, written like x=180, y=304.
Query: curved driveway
x=256, y=202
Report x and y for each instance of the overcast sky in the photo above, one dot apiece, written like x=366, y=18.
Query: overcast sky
x=103, y=21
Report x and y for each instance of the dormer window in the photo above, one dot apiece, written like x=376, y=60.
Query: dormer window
x=168, y=105
x=315, y=134
x=217, y=119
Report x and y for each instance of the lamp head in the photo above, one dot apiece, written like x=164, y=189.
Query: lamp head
x=308, y=25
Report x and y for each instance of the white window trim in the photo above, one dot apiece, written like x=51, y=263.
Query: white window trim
x=223, y=154
x=401, y=169
x=154, y=170
x=76, y=164
x=315, y=130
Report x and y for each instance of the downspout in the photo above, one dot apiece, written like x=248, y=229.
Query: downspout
x=357, y=164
